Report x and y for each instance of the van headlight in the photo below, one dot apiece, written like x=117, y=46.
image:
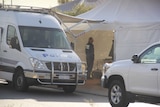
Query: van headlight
x=81, y=68
x=37, y=64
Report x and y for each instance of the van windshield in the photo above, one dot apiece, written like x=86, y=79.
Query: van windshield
x=43, y=37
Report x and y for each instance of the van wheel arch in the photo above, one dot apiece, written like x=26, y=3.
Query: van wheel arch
x=19, y=80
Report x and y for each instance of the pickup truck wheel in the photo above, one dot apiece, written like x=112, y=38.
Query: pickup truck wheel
x=117, y=94
x=69, y=89
x=20, y=82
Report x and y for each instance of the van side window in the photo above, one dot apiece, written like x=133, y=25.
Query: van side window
x=12, y=39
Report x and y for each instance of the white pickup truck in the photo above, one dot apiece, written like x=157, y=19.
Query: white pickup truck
x=128, y=80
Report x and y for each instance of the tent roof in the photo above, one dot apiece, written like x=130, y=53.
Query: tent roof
x=75, y=23
x=126, y=11
x=71, y=19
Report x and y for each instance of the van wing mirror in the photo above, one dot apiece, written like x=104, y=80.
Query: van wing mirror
x=135, y=58
x=15, y=43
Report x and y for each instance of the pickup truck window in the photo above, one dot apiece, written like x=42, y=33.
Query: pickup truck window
x=152, y=55
x=43, y=37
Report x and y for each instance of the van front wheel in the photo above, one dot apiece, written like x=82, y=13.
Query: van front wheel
x=69, y=89
x=20, y=82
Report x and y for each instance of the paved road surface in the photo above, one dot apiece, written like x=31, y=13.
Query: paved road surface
x=49, y=97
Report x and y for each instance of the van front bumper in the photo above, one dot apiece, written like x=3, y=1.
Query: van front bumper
x=58, y=78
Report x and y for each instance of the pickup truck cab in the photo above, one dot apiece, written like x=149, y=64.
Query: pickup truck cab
x=139, y=76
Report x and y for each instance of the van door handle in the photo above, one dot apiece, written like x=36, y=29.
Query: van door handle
x=154, y=69
x=4, y=50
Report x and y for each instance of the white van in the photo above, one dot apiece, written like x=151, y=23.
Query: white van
x=34, y=51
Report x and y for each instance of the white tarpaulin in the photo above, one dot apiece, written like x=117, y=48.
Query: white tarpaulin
x=75, y=23
x=126, y=11
x=136, y=24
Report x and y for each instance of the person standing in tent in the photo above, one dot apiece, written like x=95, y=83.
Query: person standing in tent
x=89, y=56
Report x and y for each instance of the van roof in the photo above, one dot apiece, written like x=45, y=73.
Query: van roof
x=25, y=8
x=29, y=17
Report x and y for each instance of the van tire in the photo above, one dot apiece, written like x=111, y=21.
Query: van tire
x=117, y=94
x=10, y=84
x=69, y=89
x=20, y=83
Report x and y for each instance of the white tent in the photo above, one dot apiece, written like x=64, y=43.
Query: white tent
x=136, y=24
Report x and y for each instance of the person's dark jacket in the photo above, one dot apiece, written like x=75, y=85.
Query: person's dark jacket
x=90, y=51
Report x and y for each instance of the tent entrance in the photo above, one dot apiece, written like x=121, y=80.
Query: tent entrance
x=102, y=45
x=79, y=30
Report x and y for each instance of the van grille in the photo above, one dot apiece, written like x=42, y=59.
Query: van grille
x=61, y=66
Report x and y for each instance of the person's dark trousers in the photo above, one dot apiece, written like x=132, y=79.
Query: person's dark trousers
x=89, y=67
